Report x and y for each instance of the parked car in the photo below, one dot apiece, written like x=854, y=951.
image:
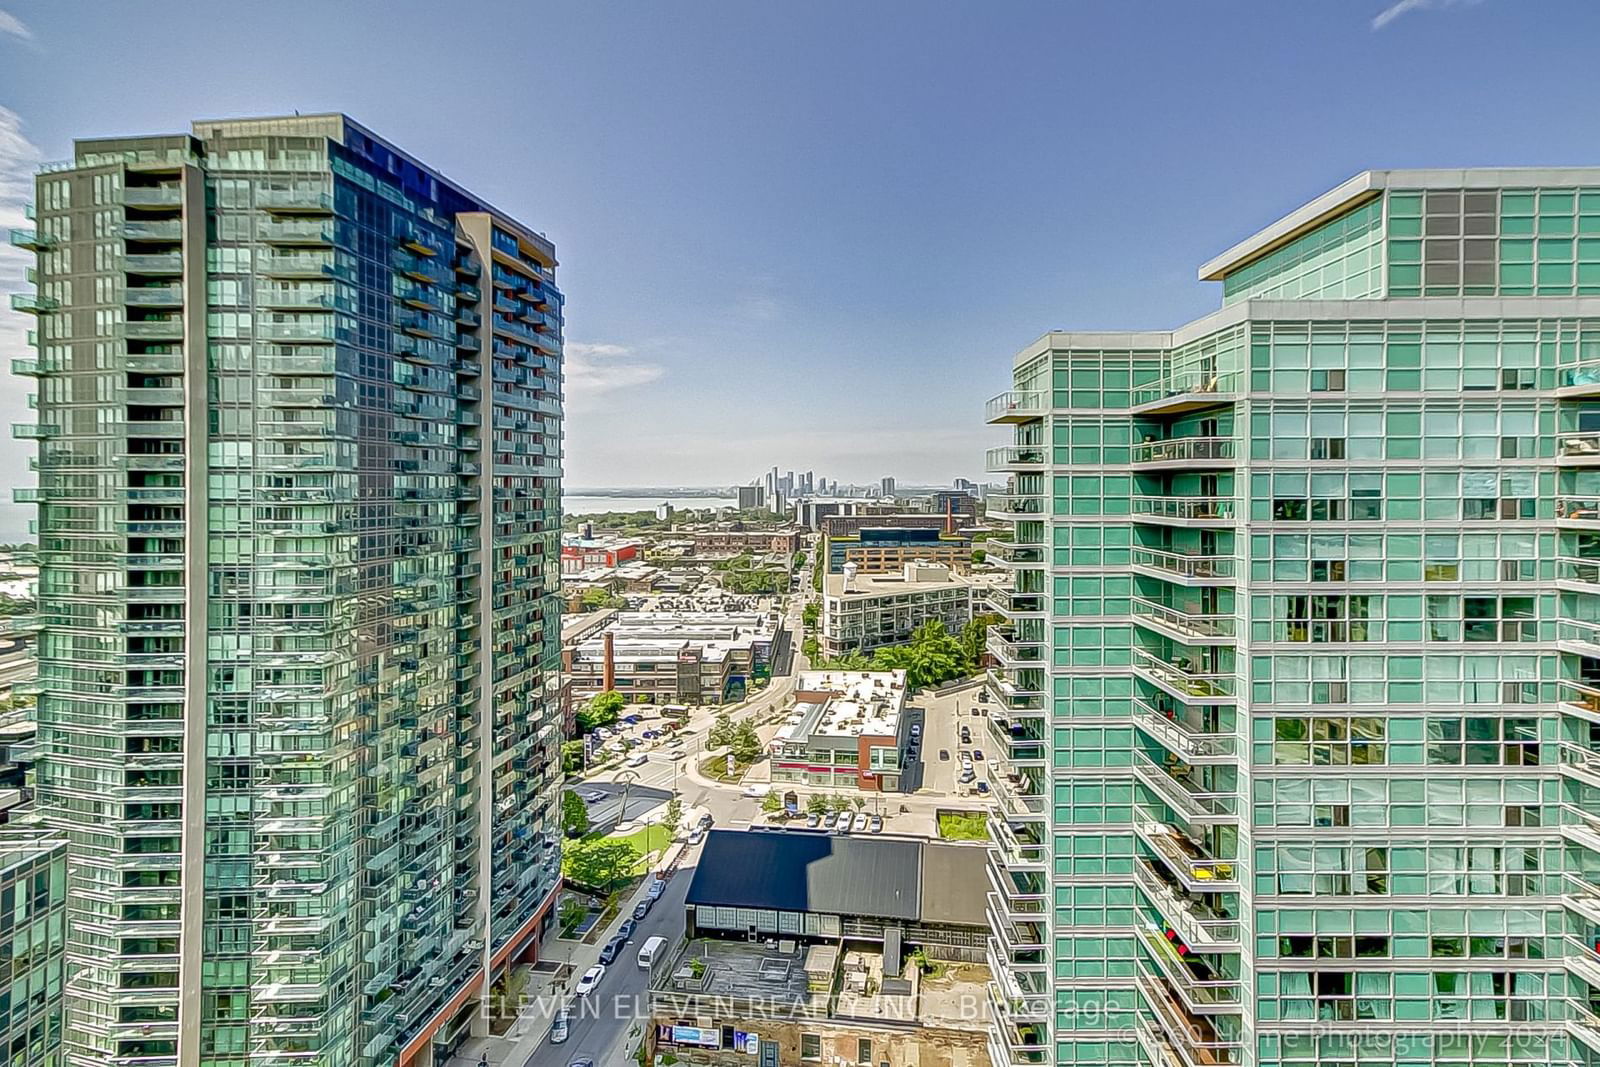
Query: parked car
x=581, y=1061
x=631, y=720
x=696, y=836
x=601, y=732
x=657, y=887
x=652, y=734
x=843, y=825
x=830, y=820
x=813, y=820
x=639, y=760
x=876, y=824
x=977, y=755
x=861, y=822
x=559, y=1026
x=944, y=754
x=625, y=931
x=590, y=980
x=916, y=729
x=983, y=787
x=612, y=949
x=966, y=736
x=706, y=821
x=641, y=909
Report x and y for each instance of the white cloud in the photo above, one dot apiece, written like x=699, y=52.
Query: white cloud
x=1403, y=7
x=594, y=370
x=13, y=26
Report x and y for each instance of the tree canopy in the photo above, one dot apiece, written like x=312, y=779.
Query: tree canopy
x=603, y=709
x=574, y=814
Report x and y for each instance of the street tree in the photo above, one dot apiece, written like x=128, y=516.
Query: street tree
x=674, y=814
x=603, y=709
x=598, y=863
x=574, y=814
x=745, y=743
x=772, y=803
x=816, y=804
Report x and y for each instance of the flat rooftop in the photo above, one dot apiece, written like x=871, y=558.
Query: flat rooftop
x=874, y=585
x=661, y=635
x=845, y=704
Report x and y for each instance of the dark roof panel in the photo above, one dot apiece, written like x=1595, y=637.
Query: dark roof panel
x=872, y=877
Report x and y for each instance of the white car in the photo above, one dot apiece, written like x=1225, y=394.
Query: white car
x=657, y=887
x=558, y=1028
x=696, y=836
x=861, y=822
x=592, y=795
x=639, y=761
x=916, y=729
x=590, y=980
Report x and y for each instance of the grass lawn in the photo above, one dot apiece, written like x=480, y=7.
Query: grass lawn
x=716, y=768
x=963, y=826
x=648, y=839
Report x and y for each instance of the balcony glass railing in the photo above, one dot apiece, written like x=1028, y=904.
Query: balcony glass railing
x=1183, y=564
x=1185, y=676
x=1013, y=457
x=1200, y=508
x=1182, y=736
x=1187, y=795
x=1200, y=925
x=1205, y=627
x=1194, y=866
x=1195, y=1036
x=1198, y=450
x=1195, y=382
x=1015, y=407
x=1578, y=509
x=1204, y=994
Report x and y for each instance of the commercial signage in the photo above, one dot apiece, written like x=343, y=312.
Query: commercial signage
x=694, y=1035
x=746, y=1042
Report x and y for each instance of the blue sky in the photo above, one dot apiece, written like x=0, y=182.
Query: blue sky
x=813, y=234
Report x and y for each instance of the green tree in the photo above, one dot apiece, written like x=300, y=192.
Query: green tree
x=722, y=730
x=816, y=804
x=598, y=598
x=811, y=648
x=674, y=814
x=860, y=802
x=979, y=555
x=811, y=614
x=603, y=709
x=772, y=803
x=571, y=756
x=932, y=656
x=574, y=814
x=838, y=803
x=572, y=913
x=973, y=635
x=596, y=863
x=745, y=743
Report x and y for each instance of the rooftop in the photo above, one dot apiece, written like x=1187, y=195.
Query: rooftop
x=917, y=577
x=906, y=879
x=661, y=635
x=845, y=704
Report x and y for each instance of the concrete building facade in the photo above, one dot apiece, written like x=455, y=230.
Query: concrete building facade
x=846, y=728
x=861, y=613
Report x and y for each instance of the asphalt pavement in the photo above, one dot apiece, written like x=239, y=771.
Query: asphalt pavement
x=603, y=1023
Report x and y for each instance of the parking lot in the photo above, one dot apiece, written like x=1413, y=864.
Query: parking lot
x=942, y=718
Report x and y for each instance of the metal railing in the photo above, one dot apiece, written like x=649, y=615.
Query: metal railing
x=1184, y=678
x=1175, y=449
x=1207, y=626
x=1185, y=795
x=1015, y=406
x=1184, y=507
x=1185, y=564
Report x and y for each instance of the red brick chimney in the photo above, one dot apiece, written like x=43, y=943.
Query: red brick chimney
x=608, y=675
x=949, y=516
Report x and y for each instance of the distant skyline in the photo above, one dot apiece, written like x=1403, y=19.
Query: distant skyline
x=824, y=229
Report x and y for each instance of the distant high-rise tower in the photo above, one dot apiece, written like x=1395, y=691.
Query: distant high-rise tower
x=299, y=493
x=750, y=497
x=887, y=487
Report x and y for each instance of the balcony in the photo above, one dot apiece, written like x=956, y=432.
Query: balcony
x=295, y=201
x=1012, y=554
x=35, y=431
x=1185, y=679
x=1199, y=925
x=1015, y=458
x=1578, y=450
x=1021, y=744
x=165, y=231
x=1186, y=452
x=1020, y=794
x=1009, y=507
x=1181, y=394
x=1581, y=511
x=1194, y=867
x=297, y=265
x=1581, y=763
x=1012, y=654
x=1186, y=568
x=1015, y=606
x=1181, y=625
x=1583, y=572
x=1184, y=510
x=1015, y=407
x=152, y=197
x=1183, y=738
x=1194, y=1038
x=1582, y=379
x=154, y=329
x=1183, y=791
x=275, y=231
x=154, y=263
x=1196, y=984
x=32, y=240
x=1018, y=846
x=32, y=304
x=153, y=296
x=1024, y=697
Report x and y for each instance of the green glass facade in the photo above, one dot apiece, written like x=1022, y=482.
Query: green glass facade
x=299, y=464
x=1300, y=667
x=33, y=894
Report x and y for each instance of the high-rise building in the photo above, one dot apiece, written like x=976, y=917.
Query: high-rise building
x=750, y=497
x=886, y=488
x=33, y=898
x=299, y=465
x=1303, y=768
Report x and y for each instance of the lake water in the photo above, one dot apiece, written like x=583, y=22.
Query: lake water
x=593, y=505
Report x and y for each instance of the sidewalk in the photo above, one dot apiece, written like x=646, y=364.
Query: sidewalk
x=527, y=1033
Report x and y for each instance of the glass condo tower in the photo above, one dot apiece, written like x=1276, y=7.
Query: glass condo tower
x=299, y=424
x=1300, y=664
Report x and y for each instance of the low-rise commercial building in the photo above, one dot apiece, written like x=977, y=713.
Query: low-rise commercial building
x=863, y=612
x=847, y=729
x=585, y=553
x=812, y=511
x=850, y=525
x=887, y=551
x=673, y=657
x=717, y=543
x=33, y=895
x=804, y=948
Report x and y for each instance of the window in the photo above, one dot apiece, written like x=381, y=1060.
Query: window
x=810, y=1046
x=1327, y=381
x=863, y=1050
